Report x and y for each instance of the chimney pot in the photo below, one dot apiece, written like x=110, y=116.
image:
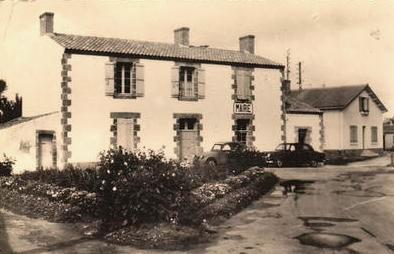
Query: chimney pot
x=181, y=36
x=246, y=44
x=46, y=23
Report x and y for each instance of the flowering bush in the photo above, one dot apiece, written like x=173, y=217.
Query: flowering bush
x=6, y=165
x=141, y=187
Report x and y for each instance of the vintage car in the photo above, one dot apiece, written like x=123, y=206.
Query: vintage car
x=219, y=153
x=294, y=154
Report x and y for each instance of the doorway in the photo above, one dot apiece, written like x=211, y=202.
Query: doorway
x=188, y=134
x=302, y=135
x=46, y=150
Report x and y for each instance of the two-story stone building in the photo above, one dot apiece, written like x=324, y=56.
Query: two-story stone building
x=107, y=92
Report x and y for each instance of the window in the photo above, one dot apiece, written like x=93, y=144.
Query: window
x=125, y=130
x=187, y=124
x=242, y=129
x=353, y=134
x=243, y=82
x=125, y=133
x=374, y=134
x=364, y=105
x=188, y=82
x=124, y=78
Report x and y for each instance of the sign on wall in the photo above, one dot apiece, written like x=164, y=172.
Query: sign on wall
x=243, y=108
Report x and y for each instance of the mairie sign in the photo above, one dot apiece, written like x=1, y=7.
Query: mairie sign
x=243, y=108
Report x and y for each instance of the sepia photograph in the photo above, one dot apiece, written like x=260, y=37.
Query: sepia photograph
x=196, y=126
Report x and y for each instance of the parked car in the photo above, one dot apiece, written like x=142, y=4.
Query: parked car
x=294, y=154
x=219, y=153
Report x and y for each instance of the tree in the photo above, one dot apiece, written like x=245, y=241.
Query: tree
x=3, y=86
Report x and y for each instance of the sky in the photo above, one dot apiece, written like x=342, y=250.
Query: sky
x=337, y=42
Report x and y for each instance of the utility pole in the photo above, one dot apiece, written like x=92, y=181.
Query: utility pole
x=288, y=65
x=299, y=76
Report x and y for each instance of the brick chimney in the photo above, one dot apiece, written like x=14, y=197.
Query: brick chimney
x=181, y=36
x=246, y=44
x=46, y=23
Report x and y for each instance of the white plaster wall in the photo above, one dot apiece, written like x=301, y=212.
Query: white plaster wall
x=33, y=70
x=333, y=132
x=11, y=138
x=389, y=141
x=352, y=116
x=267, y=108
x=301, y=121
x=91, y=108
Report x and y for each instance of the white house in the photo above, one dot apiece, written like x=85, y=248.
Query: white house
x=352, y=118
x=102, y=92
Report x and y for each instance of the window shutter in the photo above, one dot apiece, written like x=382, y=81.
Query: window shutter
x=139, y=82
x=109, y=78
x=360, y=103
x=247, y=84
x=367, y=104
x=240, y=82
x=201, y=83
x=175, y=81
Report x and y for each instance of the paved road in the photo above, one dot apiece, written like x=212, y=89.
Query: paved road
x=316, y=210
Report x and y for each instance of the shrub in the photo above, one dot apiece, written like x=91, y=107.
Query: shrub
x=6, y=166
x=241, y=160
x=141, y=187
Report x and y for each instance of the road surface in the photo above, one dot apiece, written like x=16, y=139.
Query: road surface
x=331, y=209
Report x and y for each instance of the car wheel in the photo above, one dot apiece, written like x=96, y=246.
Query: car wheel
x=212, y=163
x=314, y=163
x=279, y=163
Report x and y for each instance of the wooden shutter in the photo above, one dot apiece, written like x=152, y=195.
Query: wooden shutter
x=139, y=82
x=247, y=84
x=240, y=82
x=175, y=82
x=201, y=83
x=109, y=78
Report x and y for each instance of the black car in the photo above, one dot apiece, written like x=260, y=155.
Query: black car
x=294, y=154
x=219, y=153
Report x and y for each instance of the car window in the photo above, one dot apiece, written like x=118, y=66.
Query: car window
x=306, y=148
x=280, y=147
x=292, y=148
x=226, y=147
x=217, y=147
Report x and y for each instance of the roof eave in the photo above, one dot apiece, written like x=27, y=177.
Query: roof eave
x=166, y=58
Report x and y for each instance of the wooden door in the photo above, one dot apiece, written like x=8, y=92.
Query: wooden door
x=46, y=151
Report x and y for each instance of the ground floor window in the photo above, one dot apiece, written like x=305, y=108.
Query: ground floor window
x=46, y=152
x=125, y=129
x=353, y=134
x=243, y=130
x=188, y=138
x=374, y=134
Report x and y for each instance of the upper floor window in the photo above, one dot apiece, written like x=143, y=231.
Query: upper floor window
x=353, y=134
x=187, y=86
x=124, y=78
x=188, y=82
x=243, y=84
x=364, y=105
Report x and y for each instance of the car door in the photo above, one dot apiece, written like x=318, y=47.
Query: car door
x=291, y=154
x=224, y=154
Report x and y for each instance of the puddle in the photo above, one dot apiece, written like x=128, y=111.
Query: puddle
x=296, y=186
x=330, y=219
x=233, y=237
x=326, y=240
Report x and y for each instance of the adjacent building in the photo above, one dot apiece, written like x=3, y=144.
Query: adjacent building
x=85, y=94
x=352, y=118
x=388, y=134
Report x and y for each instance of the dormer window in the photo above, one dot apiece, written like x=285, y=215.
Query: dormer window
x=364, y=105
